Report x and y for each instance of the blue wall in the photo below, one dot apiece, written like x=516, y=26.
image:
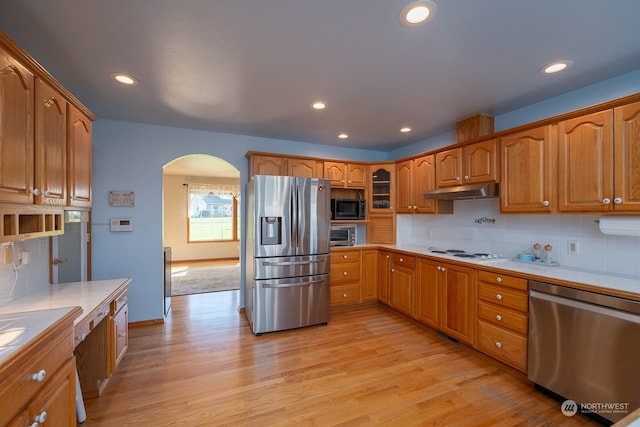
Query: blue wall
x=130, y=156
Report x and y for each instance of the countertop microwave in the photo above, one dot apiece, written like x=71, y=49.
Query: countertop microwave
x=348, y=209
x=342, y=235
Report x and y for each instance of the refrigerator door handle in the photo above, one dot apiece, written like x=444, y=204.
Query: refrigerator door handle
x=293, y=215
x=293, y=285
x=312, y=261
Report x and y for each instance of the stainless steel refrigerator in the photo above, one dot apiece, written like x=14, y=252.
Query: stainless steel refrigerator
x=287, y=252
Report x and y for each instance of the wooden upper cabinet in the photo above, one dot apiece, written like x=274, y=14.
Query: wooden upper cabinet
x=585, y=163
x=50, y=146
x=527, y=168
x=346, y=174
x=627, y=158
x=415, y=177
x=16, y=131
x=307, y=168
x=480, y=162
x=79, y=158
x=449, y=167
x=267, y=165
x=382, y=181
x=471, y=164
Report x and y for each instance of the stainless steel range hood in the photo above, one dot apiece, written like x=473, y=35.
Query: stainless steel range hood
x=461, y=192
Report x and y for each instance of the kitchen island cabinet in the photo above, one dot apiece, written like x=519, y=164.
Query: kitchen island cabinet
x=96, y=341
x=37, y=369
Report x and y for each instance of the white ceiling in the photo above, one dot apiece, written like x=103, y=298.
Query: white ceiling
x=254, y=66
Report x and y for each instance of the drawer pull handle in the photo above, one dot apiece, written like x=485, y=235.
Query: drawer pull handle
x=40, y=419
x=39, y=376
x=498, y=297
x=498, y=279
x=498, y=317
x=82, y=336
x=498, y=344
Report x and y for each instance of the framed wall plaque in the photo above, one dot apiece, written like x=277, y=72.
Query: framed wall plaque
x=121, y=198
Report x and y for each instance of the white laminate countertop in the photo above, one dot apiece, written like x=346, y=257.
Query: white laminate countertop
x=18, y=329
x=603, y=282
x=87, y=295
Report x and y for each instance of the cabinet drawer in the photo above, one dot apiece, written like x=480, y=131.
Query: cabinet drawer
x=504, y=297
x=345, y=256
x=345, y=272
x=119, y=302
x=345, y=295
x=503, y=317
x=23, y=383
x=503, y=345
x=502, y=280
x=81, y=330
x=403, y=260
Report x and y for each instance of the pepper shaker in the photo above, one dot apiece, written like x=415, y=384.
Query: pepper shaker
x=547, y=253
x=536, y=251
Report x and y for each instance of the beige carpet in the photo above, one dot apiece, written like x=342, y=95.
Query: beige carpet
x=187, y=281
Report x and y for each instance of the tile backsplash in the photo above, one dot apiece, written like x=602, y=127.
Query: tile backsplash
x=17, y=281
x=471, y=228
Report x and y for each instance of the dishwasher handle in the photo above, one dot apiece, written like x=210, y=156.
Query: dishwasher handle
x=603, y=300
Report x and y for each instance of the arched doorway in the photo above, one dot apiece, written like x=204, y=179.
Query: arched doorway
x=201, y=224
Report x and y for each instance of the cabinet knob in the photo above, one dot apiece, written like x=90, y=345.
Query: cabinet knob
x=344, y=273
x=35, y=192
x=545, y=203
x=401, y=259
x=498, y=344
x=387, y=256
x=408, y=207
x=415, y=207
x=617, y=200
x=393, y=270
x=39, y=376
x=122, y=335
x=498, y=317
x=41, y=418
x=457, y=178
x=344, y=295
x=81, y=337
x=498, y=297
x=345, y=256
x=466, y=177
x=439, y=268
x=606, y=201
x=499, y=279
x=349, y=181
x=46, y=193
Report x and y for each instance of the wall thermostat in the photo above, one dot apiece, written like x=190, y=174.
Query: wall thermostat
x=121, y=224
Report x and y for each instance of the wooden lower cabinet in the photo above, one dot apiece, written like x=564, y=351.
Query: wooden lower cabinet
x=118, y=331
x=503, y=318
x=446, y=299
x=384, y=271
x=402, y=283
x=345, y=277
x=369, y=275
x=39, y=384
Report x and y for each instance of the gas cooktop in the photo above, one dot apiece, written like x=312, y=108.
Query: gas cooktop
x=469, y=255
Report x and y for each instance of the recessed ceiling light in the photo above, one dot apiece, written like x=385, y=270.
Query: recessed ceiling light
x=418, y=13
x=319, y=105
x=343, y=136
x=555, y=67
x=405, y=129
x=125, y=79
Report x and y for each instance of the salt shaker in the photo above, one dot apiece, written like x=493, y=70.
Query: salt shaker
x=536, y=251
x=547, y=253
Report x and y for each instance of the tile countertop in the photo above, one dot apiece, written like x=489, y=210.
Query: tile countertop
x=87, y=295
x=18, y=329
x=599, y=282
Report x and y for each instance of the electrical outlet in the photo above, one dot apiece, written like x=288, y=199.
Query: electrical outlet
x=7, y=254
x=572, y=246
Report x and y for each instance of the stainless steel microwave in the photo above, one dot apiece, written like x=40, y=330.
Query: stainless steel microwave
x=348, y=209
x=342, y=235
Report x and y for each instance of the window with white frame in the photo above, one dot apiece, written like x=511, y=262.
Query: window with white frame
x=214, y=212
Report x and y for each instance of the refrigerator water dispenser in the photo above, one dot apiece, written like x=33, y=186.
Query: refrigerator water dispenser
x=271, y=230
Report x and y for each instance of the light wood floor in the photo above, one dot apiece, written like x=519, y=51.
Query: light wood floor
x=369, y=366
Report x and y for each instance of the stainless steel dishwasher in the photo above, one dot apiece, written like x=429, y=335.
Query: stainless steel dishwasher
x=585, y=346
